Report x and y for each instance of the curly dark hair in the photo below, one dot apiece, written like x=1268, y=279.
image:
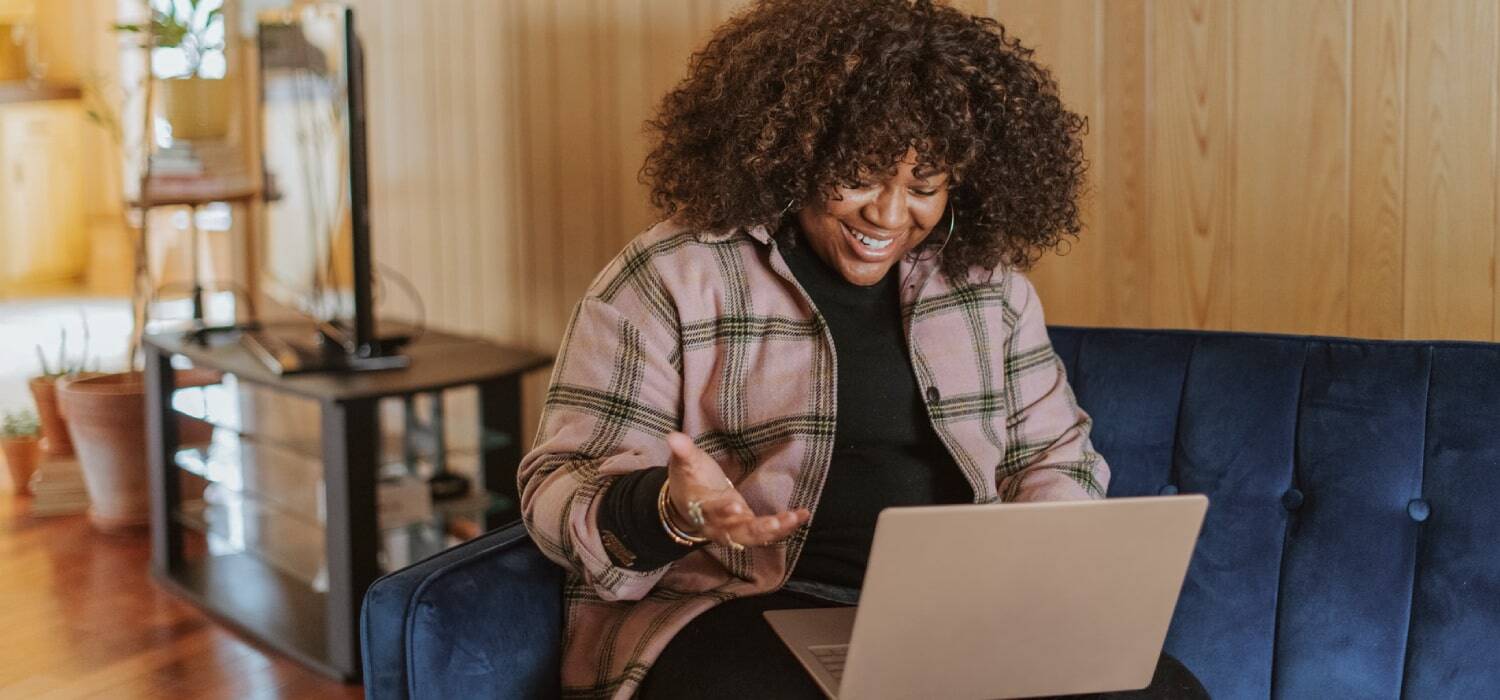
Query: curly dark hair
x=792, y=98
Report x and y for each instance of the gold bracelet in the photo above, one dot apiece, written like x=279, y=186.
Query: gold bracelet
x=663, y=509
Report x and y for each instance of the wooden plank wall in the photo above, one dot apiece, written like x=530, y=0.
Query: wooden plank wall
x=1308, y=166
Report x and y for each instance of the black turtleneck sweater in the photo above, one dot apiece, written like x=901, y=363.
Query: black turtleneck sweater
x=885, y=452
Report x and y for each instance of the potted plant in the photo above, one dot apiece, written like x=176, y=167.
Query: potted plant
x=196, y=106
x=55, y=439
x=21, y=440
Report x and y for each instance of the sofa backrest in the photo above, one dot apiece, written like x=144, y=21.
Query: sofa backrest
x=1352, y=543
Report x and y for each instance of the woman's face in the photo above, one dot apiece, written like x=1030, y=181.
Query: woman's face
x=862, y=231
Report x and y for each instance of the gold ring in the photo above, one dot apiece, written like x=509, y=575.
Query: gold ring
x=729, y=541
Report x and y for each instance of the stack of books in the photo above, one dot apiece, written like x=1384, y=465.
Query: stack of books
x=57, y=488
x=179, y=160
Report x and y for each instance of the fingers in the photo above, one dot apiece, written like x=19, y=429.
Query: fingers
x=724, y=524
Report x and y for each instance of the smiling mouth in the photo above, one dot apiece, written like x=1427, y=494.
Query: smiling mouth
x=869, y=243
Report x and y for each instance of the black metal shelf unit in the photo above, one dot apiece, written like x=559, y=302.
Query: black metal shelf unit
x=274, y=524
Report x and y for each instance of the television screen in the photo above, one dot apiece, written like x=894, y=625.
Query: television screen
x=306, y=256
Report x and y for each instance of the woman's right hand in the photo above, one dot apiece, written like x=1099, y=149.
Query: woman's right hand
x=727, y=518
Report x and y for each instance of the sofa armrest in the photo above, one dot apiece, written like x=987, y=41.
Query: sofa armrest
x=483, y=619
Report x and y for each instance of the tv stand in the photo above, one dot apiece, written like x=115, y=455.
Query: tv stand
x=275, y=524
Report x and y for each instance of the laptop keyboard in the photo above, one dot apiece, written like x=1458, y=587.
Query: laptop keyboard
x=831, y=657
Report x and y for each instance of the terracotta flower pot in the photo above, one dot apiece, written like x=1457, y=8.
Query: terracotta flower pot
x=197, y=108
x=106, y=417
x=21, y=457
x=54, y=431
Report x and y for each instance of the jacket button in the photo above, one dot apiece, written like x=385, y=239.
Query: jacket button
x=1292, y=499
x=933, y=395
x=1168, y=490
x=1418, y=510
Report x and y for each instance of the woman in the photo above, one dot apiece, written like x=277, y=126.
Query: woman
x=830, y=321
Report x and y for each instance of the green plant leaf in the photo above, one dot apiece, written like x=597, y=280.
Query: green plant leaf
x=167, y=32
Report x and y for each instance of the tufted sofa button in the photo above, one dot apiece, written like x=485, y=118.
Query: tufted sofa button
x=1168, y=490
x=1418, y=509
x=1292, y=499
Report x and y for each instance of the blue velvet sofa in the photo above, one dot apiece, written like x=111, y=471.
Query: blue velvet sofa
x=1351, y=548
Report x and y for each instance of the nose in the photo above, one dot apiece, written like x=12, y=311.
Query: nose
x=888, y=210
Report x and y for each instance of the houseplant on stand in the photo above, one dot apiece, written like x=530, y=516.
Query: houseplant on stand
x=106, y=412
x=195, y=105
x=21, y=442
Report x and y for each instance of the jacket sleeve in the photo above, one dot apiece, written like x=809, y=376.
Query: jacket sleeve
x=1049, y=456
x=613, y=396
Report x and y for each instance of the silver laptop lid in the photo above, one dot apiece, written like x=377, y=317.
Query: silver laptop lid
x=1024, y=599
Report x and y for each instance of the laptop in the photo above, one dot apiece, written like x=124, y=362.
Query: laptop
x=1005, y=600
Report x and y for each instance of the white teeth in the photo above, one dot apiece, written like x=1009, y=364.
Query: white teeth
x=871, y=242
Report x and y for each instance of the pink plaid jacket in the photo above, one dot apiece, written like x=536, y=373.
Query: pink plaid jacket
x=710, y=333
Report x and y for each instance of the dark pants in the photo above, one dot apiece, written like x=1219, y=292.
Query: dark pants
x=731, y=652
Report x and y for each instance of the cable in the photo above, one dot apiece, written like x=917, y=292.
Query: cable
x=411, y=290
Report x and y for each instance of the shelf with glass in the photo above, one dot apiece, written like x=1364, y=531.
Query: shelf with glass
x=310, y=486
x=266, y=500
x=290, y=422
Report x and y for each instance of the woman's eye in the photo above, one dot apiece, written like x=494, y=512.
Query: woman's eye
x=924, y=193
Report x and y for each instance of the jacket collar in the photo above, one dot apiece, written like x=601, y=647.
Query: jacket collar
x=758, y=233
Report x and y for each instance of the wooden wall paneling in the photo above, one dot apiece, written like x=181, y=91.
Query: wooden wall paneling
x=405, y=175
x=1065, y=36
x=1190, y=161
x=607, y=138
x=1021, y=18
x=420, y=229
x=540, y=236
x=470, y=263
x=452, y=73
x=424, y=228
x=1270, y=166
x=1073, y=57
x=973, y=7
x=385, y=71
x=1450, y=178
x=632, y=106
x=1120, y=173
x=608, y=141
x=1290, y=223
x=493, y=198
x=419, y=232
x=670, y=38
x=1378, y=166
x=577, y=159
x=516, y=232
x=433, y=232
x=442, y=123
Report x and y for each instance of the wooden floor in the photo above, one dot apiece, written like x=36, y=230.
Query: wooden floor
x=81, y=618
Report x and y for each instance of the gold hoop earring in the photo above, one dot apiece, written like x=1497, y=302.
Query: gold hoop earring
x=952, y=220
